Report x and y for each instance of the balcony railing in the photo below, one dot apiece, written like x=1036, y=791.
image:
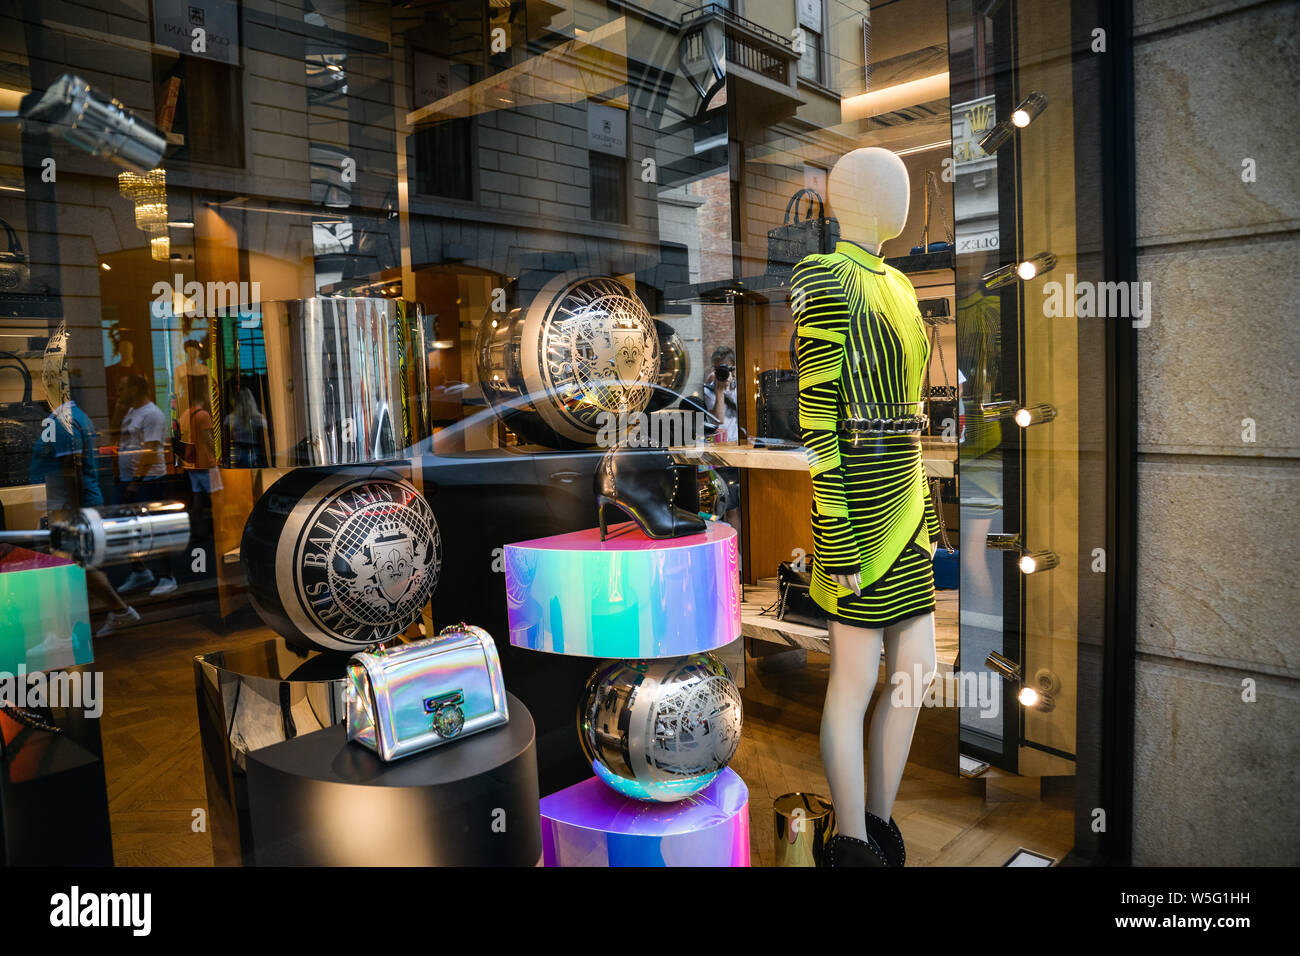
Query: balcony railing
x=748, y=45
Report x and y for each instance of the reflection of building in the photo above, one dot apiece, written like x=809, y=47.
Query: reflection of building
x=975, y=190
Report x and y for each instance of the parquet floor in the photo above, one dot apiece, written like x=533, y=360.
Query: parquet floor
x=155, y=773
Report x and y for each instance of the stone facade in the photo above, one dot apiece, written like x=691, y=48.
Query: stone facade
x=1218, y=660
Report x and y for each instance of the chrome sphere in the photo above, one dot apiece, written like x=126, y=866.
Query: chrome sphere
x=554, y=368
x=660, y=729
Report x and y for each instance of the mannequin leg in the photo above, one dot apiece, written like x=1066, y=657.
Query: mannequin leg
x=855, y=666
x=907, y=645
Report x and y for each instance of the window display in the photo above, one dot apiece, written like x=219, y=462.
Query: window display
x=665, y=342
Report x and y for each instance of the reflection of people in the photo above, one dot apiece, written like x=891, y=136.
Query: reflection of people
x=115, y=377
x=200, y=464
x=64, y=460
x=246, y=426
x=720, y=400
x=142, y=467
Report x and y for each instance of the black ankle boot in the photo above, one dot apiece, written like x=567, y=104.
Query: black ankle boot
x=849, y=851
x=647, y=485
x=888, y=838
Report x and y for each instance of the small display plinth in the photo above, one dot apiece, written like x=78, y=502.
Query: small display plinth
x=630, y=596
x=318, y=800
x=589, y=824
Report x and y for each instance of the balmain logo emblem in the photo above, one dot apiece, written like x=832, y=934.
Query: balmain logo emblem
x=366, y=560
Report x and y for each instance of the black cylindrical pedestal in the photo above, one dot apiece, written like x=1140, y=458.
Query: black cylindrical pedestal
x=318, y=800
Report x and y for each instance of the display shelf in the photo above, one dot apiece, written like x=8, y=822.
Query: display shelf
x=765, y=627
x=589, y=824
x=767, y=286
x=938, y=456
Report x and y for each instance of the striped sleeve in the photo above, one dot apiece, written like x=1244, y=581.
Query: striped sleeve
x=821, y=322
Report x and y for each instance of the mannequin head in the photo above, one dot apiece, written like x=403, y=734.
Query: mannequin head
x=869, y=193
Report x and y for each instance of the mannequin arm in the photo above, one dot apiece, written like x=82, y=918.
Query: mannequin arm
x=820, y=322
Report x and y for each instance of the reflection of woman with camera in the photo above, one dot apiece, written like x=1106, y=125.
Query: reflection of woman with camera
x=721, y=402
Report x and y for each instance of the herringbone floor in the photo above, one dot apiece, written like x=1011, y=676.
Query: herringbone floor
x=155, y=773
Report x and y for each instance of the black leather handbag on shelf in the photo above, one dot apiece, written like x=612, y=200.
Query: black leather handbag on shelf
x=14, y=267
x=794, y=601
x=20, y=428
x=778, y=405
x=798, y=237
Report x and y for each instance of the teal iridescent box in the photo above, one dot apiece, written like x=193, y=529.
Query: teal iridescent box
x=411, y=697
x=44, y=614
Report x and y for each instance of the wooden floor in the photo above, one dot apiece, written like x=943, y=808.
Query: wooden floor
x=155, y=773
x=946, y=820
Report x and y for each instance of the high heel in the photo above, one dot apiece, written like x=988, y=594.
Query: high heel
x=646, y=485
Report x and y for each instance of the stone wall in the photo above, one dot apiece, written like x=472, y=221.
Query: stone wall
x=1216, y=776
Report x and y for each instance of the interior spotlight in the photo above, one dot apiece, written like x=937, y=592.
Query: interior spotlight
x=997, y=137
x=1021, y=116
x=1003, y=666
x=1034, y=414
x=98, y=124
x=1030, y=268
x=1041, y=692
x=1031, y=562
x=1024, y=271
x=1028, y=110
x=1000, y=541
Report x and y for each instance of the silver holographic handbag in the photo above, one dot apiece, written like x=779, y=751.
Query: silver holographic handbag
x=409, y=698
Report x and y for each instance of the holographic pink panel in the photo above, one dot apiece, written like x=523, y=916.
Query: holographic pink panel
x=630, y=596
x=589, y=824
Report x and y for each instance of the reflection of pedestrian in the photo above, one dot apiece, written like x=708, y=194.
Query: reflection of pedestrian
x=721, y=402
x=115, y=377
x=66, y=465
x=246, y=426
x=200, y=463
x=142, y=467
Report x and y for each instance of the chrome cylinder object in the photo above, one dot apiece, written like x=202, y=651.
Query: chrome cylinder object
x=98, y=124
x=107, y=534
x=345, y=382
x=805, y=823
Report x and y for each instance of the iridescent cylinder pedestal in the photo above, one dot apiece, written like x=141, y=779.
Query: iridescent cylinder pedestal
x=589, y=824
x=658, y=723
x=630, y=596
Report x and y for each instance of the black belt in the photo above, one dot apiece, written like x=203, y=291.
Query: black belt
x=854, y=428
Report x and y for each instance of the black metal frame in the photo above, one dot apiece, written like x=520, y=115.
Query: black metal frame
x=1107, y=761
x=1119, y=205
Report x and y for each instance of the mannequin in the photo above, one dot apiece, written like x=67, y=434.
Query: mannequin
x=862, y=352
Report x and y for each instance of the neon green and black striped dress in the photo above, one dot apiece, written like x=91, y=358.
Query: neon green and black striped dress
x=861, y=344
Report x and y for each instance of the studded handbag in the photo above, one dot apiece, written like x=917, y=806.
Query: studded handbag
x=406, y=699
